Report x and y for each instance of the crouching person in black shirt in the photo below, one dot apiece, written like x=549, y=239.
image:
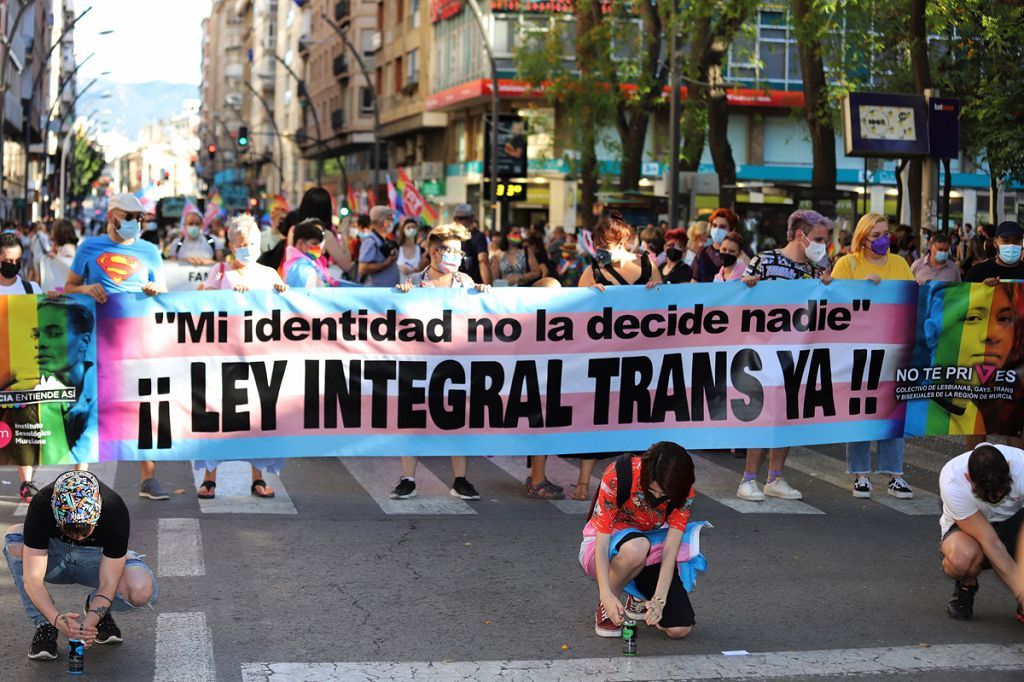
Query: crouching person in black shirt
x=76, y=533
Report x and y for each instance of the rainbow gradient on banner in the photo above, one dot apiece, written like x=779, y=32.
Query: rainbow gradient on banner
x=47, y=380
x=970, y=338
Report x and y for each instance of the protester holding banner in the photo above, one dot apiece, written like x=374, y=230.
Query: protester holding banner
x=1007, y=262
x=76, y=531
x=807, y=234
x=870, y=259
x=982, y=495
x=193, y=246
x=709, y=259
x=303, y=265
x=730, y=252
x=633, y=541
x=675, y=270
x=446, y=255
x=614, y=262
x=697, y=237
x=119, y=262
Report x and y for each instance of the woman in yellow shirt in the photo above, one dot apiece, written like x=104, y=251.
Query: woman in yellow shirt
x=870, y=259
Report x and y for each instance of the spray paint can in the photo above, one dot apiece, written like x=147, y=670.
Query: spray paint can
x=629, y=637
x=76, y=657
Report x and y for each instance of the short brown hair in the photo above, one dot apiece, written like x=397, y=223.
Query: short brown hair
x=447, y=232
x=611, y=229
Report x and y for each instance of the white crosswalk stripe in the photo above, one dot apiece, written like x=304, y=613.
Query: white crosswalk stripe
x=720, y=484
x=233, y=493
x=559, y=472
x=831, y=470
x=378, y=475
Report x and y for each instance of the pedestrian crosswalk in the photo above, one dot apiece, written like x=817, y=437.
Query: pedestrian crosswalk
x=820, y=472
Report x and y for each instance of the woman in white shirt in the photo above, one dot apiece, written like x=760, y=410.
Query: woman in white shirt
x=411, y=258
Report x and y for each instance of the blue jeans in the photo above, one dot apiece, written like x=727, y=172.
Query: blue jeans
x=890, y=457
x=69, y=565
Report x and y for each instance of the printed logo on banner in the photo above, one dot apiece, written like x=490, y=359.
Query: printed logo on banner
x=6, y=434
x=118, y=267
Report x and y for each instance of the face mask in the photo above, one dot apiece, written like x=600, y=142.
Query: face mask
x=941, y=256
x=729, y=260
x=193, y=231
x=880, y=246
x=10, y=270
x=515, y=241
x=673, y=254
x=129, y=229
x=245, y=255
x=315, y=252
x=689, y=258
x=411, y=232
x=450, y=262
x=816, y=251
x=718, y=234
x=1010, y=253
x=151, y=227
x=603, y=257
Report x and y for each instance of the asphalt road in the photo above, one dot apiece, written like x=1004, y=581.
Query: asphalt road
x=493, y=589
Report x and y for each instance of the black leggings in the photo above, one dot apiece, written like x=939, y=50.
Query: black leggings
x=678, y=612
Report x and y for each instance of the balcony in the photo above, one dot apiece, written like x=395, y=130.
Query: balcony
x=338, y=119
x=342, y=9
x=340, y=65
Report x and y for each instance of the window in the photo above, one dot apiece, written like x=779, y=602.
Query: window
x=365, y=101
x=460, y=142
x=399, y=12
x=412, y=67
x=366, y=41
x=414, y=11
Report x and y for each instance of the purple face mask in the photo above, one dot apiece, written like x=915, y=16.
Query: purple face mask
x=880, y=245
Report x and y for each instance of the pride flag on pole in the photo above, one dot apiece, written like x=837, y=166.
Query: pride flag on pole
x=412, y=201
x=395, y=200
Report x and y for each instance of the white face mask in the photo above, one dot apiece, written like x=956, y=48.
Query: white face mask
x=815, y=251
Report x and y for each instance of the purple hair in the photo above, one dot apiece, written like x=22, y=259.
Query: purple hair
x=805, y=221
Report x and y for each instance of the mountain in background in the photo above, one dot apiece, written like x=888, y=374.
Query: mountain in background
x=134, y=105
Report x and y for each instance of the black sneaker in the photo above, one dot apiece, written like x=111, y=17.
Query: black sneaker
x=108, y=632
x=900, y=488
x=862, y=487
x=44, y=644
x=961, y=606
x=464, y=489
x=405, y=489
x=28, y=489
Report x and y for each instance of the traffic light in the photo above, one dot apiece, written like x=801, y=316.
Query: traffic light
x=212, y=150
x=243, y=136
x=344, y=211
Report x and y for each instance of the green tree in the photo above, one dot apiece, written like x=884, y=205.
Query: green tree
x=87, y=164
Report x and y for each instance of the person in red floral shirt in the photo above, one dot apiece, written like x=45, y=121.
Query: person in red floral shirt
x=638, y=542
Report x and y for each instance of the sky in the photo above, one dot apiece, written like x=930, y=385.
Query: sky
x=152, y=40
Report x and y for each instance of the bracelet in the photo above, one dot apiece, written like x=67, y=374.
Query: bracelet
x=103, y=596
x=55, y=619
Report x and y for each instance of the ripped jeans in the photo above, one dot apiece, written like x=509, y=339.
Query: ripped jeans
x=69, y=564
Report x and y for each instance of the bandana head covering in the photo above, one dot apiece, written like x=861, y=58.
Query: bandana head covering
x=76, y=499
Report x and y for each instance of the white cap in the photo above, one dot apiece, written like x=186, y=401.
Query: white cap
x=129, y=203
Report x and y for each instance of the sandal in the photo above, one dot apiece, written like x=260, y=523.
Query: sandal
x=206, y=490
x=545, y=490
x=581, y=493
x=260, y=483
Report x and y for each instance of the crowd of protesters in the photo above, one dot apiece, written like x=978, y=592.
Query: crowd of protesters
x=631, y=541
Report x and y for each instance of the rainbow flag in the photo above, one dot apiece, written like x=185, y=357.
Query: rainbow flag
x=278, y=203
x=394, y=200
x=413, y=203
x=353, y=205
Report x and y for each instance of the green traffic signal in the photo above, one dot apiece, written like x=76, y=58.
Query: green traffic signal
x=243, y=136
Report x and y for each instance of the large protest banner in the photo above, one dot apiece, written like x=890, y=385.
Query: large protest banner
x=965, y=376
x=48, y=411
x=222, y=375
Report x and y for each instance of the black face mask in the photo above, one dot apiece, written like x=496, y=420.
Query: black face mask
x=603, y=257
x=729, y=260
x=658, y=501
x=10, y=270
x=673, y=254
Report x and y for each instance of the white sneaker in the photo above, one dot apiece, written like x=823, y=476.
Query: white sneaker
x=748, y=490
x=779, y=488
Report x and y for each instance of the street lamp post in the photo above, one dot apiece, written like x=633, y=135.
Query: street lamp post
x=304, y=95
x=273, y=123
x=343, y=33
x=673, y=112
x=478, y=15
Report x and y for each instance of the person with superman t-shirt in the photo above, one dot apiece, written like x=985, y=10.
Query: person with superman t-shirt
x=120, y=262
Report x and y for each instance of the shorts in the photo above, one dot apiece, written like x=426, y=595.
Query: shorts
x=678, y=611
x=1008, y=531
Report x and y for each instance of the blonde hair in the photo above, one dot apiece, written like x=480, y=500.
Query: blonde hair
x=866, y=223
x=448, y=232
x=699, y=228
x=243, y=224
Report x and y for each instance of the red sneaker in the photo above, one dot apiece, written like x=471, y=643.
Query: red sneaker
x=603, y=625
x=635, y=608
x=28, y=490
